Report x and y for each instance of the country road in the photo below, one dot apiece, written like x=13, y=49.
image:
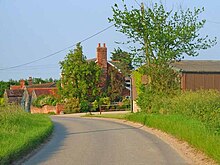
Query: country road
x=82, y=141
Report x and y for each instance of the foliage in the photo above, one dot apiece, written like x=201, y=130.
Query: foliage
x=41, y=81
x=2, y=102
x=104, y=101
x=21, y=132
x=124, y=60
x=84, y=106
x=162, y=38
x=162, y=35
x=200, y=105
x=45, y=100
x=95, y=105
x=115, y=85
x=72, y=105
x=80, y=79
x=3, y=87
x=126, y=103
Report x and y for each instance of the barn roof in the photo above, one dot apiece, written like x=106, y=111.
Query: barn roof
x=197, y=66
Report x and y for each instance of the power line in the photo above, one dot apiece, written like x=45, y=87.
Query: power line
x=52, y=54
x=137, y=3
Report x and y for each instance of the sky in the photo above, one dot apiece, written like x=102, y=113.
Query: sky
x=33, y=29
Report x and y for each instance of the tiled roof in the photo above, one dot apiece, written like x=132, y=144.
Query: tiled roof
x=197, y=66
x=14, y=93
x=40, y=92
x=44, y=85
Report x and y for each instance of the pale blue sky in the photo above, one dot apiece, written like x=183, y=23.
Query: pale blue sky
x=31, y=29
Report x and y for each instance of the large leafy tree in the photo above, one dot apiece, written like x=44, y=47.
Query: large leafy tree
x=124, y=60
x=162, y=36
x=79, y=78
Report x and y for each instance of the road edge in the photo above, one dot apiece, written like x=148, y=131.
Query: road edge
x=186, y=151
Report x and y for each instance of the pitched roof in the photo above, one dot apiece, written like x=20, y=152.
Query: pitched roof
x=40, y=92
x=44, y=85
x=47, y=91
x=14, y=93
x=197, y=66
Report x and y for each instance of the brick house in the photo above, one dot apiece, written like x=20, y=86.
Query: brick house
x=33, y=91
x=109, y=69
x=24, y=94
x=15, y=93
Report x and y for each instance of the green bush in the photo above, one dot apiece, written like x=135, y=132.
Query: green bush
x=2, y=102
x=71, y=105
x=95, y=106
x=84, y=106
x=203, y=105
x=45, y=100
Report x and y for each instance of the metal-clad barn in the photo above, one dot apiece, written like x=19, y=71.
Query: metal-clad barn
x=198, y=74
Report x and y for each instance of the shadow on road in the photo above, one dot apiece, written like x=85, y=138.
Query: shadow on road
x=50, y=148
x=102, y=130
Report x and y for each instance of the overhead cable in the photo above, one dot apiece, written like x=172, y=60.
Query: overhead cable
x=52, y=54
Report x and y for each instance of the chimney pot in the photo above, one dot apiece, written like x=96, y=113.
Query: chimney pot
x=104, y=45
x=99, y=45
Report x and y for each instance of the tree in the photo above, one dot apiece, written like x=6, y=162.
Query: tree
x=3, y=87
x=125, y=60
x=163, y=36
x=80, y=78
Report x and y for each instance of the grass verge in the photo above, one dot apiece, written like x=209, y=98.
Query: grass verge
x=190, y=130
x=21, y=132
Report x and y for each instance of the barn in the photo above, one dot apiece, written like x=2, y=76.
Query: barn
x=198, y=74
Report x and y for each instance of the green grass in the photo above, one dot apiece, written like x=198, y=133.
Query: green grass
x=20, y=132
x=190, y=130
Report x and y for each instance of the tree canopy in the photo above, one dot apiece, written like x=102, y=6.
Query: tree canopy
x=125, y=60
x=162, y=35
x=79, y=78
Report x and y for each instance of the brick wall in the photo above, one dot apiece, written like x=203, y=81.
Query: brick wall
x=101, y=57
x=48, y=109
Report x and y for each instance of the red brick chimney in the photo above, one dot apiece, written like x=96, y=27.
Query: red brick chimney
x=22, y=84
x=101, y=56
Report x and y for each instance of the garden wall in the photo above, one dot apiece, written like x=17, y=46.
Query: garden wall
x=48, y=109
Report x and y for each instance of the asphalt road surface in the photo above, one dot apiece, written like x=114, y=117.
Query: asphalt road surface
x=81, y=141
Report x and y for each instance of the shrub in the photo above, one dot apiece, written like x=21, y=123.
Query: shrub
x=105, y=101
x=71, y=105
x=45, y=100
x=126, y=103
x=2, y=102
x=95, y=105
x=84, y=106
x=203, y=105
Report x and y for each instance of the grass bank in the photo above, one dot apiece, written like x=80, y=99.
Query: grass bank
x=190, y=130
x=21, y=132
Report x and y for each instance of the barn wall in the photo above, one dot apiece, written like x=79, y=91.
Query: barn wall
x=196, y=81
